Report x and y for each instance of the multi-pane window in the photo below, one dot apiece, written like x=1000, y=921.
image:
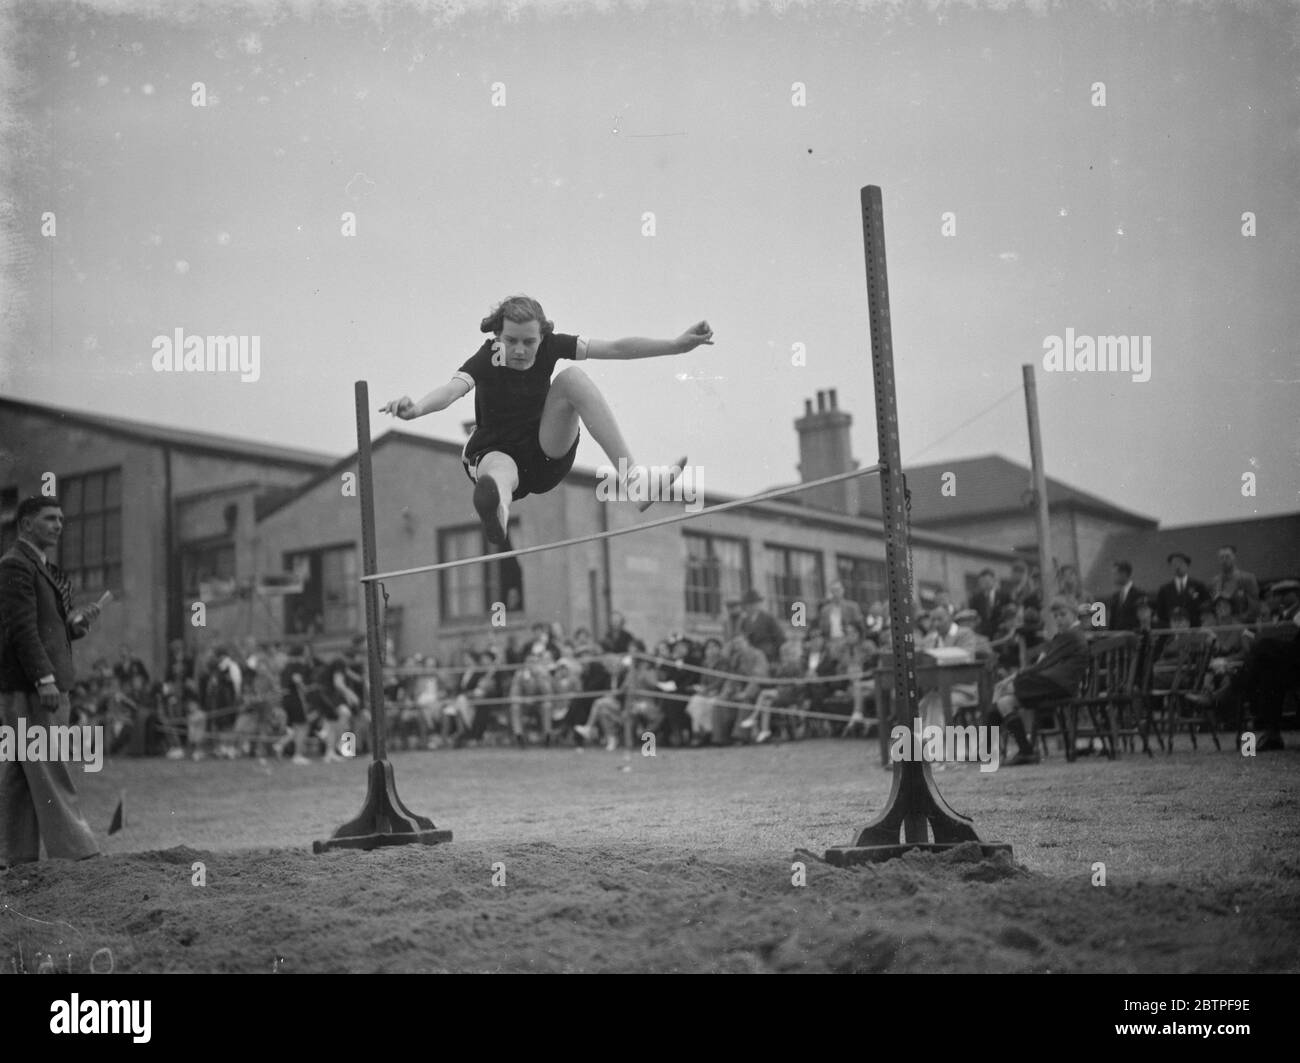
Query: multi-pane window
x=206, y=563
x=793, y=575
x=328, y=604
x=717, y=570
x=469, y=592
x=864, y=581
x=90, y=550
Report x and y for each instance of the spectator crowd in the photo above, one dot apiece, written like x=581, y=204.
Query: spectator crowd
x=759, y=680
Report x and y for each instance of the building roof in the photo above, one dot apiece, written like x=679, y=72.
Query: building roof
x=179, y=438
x=1267, y=547
x=990, y=486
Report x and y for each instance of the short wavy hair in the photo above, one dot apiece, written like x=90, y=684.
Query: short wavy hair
x=517, y=308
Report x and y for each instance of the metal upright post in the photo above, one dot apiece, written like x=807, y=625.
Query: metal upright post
x=383, y=819
x=915, y=806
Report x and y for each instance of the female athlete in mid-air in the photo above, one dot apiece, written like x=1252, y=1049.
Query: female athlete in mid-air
x=526, y=432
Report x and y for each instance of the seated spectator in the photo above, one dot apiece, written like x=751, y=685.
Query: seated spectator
x=1006, y=639
x=632, y=705
x=295, y=678
x=748, y=664
x=261, y=720
x=583, y=645
x=406, y=723
x=947, y=634
x=1030, y=634
x=1069, y=585
x=1055, y=676
x=528, y=690
x=128, y=666
x=1229, y=633
x=1238, y=586
x=617, y=640
x=924, y=637
x=1284, y=599
x=786, y=696
x=835, y=612
x=1169, y=649
x=677, y=680
x=1270, y=671
x=875, y=621
x=707, y=689
x=173, y=722
x=566, y=679
x=760, y=628
x=1024, y=590
x=819, y=663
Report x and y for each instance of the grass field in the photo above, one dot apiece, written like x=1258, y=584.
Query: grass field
x=679, y=862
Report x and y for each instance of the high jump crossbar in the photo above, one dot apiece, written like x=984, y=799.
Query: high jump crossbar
x=676, y=518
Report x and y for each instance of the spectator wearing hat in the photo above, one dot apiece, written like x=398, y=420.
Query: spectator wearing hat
x=760, y=628
x=1122, y=607
x=1239, y=586
x=1181, y=592
x=1284, y=599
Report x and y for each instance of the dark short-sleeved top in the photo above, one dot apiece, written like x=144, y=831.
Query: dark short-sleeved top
x=508, y=402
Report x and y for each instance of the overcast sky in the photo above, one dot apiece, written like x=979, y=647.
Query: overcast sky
x=1122, y=219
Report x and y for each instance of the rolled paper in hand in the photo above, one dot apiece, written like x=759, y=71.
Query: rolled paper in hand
x=104, y=599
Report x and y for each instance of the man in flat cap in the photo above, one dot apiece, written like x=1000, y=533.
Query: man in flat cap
x=1181, y=592
x=760, y=627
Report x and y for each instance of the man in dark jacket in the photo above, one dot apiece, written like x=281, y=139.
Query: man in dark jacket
x=1053, y=677
x=760, y=628
x=38, y=802
x=1181, y=592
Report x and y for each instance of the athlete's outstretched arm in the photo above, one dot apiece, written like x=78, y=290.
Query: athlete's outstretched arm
x=437, y=399
x=636, y=347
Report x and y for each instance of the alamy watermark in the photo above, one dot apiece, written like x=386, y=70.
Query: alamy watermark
x=654, y=483
x=179, y=353
x=949, y=743
x=37, y=743
x=1098, y=354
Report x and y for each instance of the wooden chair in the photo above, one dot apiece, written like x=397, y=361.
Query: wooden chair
x=1185, y=692
x=1107, y=696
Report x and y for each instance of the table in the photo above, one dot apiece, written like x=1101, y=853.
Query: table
x=930, y=676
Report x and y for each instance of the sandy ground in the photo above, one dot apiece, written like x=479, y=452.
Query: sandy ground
x=680, y=862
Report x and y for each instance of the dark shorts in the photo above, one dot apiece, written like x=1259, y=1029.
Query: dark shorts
x=537, y=472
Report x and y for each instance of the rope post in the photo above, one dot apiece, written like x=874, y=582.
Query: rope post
x=915, y=806
x=383, y=819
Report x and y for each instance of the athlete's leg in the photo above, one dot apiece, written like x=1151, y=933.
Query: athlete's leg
x=497, y=478
x=573, y=397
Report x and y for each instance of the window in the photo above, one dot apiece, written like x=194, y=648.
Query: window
x=8, y=518
x=204, y=563
x=90, y=551
x=717, y=569
x=864, y=581
x=793, y=576
x=328, y=604
x=469, y=592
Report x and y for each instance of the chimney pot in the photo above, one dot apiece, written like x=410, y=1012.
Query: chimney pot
x=821, y=401
x=831, y=393
x=807, y=407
